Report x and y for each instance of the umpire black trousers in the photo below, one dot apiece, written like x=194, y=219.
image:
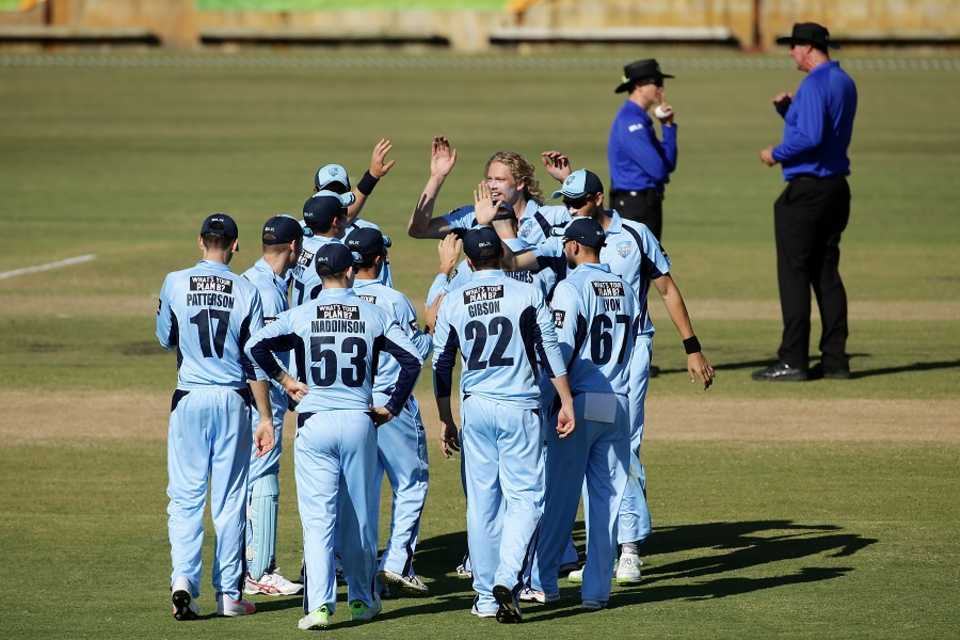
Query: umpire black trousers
x=809, y=217
x=644, y=206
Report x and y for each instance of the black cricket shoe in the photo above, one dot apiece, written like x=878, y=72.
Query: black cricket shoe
x=509, y=610
x=781, y=372
x=183, y=606
x=817, y=372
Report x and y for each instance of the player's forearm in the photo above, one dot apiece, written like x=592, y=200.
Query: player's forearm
x=676, y=308
x=419, y=226
x=444, y=410
x=353, y=211
x=261, y=396
x=562, y=385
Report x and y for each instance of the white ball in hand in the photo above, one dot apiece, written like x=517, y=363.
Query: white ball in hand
x=662, y=112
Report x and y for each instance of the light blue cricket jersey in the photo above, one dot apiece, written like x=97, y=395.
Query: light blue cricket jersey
x=505, y=334
x=631, y=251
x=461, y=275
x=273, y=295
x=400, y=309
x=306, y=282
x=596, y=315
x=337, y=340
x=207, y=313
x=533, y=228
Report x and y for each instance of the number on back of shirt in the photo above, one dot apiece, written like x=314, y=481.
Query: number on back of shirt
x=601, y=338
x=326, y=362
x=477, y=331
x=205, y=330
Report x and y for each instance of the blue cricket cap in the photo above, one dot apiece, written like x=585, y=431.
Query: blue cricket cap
x=367, y=241
x=580, y=183
x=219, y=224
x=482, y=243
x=586, y=231
x=334, y=257
x=332, y=175
x=281, y=229
x=323, y=206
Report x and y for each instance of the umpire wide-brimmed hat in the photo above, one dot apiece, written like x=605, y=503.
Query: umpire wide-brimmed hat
x=640, y=70
x=808, y=33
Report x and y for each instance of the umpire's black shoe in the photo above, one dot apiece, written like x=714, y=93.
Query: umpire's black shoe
x=781, y=372
x=817, y=371
x=509, y=609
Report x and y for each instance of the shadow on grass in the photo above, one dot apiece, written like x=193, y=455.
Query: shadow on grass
x=726, y=549
x=854, y=374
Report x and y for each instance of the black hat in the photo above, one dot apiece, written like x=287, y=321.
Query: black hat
x=639, y=70
x=586, y=231
x=219, y=224
x=322, y=207
x=335, y=257
x=367, y=241
x=482, y=243
x=281, y=229
x=808, y=33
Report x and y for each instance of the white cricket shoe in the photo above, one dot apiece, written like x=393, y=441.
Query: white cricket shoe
x=532, y=595
x=227, y=606
x=576, y=576
x=463, y=572
x=271, y=584
x=184, y=606
x=628, y=569
x=410, y=585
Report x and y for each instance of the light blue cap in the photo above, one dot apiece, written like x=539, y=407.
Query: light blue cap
x=579, y=183
x=329, y=173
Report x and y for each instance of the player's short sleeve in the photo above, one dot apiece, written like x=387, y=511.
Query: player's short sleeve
x=166, y=330
x=461, y=218
x=656, y=263
x=565, y=309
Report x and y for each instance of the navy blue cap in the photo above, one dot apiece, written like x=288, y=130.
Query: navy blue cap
x=219, y=224
x=281, y=229
x=367, y=241
x=334, y=257
x=323, y=206
x=586, y=231
x=580, y=183
x=482, y=243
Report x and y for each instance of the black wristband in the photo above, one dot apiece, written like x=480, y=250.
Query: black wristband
x=691, y=345
x=367, y=183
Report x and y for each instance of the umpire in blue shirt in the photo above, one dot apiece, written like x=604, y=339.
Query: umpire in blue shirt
x=640, y=164
x=813, y=210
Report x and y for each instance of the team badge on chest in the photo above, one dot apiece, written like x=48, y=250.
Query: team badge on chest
x=624, y=248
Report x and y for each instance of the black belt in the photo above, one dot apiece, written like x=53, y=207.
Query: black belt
x=634, y=192
x=812, y=176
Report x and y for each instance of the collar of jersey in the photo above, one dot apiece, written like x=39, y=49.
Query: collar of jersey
x=210, y=264
x=636, y=109
x=359, y=283
x=599, y=266
x=336, y=293
x=261, y=265
x=488, y=273
x=616, y=222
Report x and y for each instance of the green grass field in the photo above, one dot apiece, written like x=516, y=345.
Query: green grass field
x=823, y=509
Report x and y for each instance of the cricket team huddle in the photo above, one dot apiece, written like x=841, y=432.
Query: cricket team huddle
x=548, y=314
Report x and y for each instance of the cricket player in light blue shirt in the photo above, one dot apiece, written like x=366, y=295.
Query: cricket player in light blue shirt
x=207, y=314
x=597, y=316
x=634, y=254
x=505, y=335
x=282, y=238
x=402, y=442
x=336, y=340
